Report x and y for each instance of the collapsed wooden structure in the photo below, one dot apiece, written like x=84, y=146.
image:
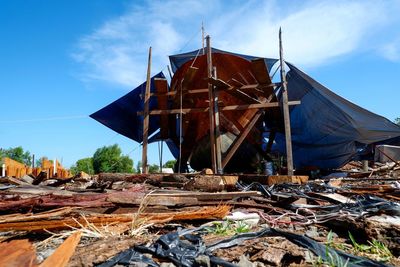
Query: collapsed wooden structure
x=214, y=94
x=228, y=112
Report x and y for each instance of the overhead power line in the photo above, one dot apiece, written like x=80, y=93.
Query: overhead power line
x=45, y=119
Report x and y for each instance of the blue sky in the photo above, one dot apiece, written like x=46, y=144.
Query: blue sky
x=62, y=60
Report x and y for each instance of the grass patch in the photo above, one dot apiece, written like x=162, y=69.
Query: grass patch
x=228, y=227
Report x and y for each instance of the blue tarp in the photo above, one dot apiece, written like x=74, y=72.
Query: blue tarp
x=328, y=130
x=121, y=115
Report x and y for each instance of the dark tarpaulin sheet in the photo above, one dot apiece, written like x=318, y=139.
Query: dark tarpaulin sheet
x=178, y=60
x=328, y=130
x=121, y=115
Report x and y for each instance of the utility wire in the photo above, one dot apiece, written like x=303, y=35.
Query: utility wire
x=46, y=119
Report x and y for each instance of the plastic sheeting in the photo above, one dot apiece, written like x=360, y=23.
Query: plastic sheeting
x=183, y=249
x=121, y=115
x=327, y=130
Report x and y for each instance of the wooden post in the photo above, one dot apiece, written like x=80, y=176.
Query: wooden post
x=286, y=115
x=202, y=37
x=146, y=116
x=218, y=155
x=3, y=170
x=211, y=106
x=364, y=165
x=55, y=167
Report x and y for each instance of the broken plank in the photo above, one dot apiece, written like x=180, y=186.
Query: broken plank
x=63, y=253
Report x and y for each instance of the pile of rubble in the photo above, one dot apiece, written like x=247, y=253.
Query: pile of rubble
x=202, y=219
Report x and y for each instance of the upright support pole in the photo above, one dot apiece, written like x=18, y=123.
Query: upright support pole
x=218, y=155
x=202, y=37
x=55, y=168
x=146, y=116
x=286, y=115
x=211, y=106
x=3, y=170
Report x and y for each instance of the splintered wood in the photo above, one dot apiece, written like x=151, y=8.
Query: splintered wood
x=70, y=219
x=115, y=212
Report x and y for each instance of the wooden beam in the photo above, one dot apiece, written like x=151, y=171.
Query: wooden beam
x=221, y=108
x=239, y=140
x=218, y=83
x=218, y=154
x=211, y=106
x=146, y=116
x=286, y=115
x=205, y=90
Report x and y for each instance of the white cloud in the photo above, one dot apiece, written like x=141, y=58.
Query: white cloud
x=391, y=50
x=314, y=33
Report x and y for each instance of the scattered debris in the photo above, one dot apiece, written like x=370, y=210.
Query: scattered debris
x=150, y=219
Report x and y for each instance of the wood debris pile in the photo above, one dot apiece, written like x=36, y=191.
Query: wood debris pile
x=192, y=220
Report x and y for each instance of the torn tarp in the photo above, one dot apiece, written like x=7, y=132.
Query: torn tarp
x=328, y=130
x=121, y=115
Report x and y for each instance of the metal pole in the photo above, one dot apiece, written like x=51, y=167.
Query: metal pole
x=286, y=115
x=146, y=116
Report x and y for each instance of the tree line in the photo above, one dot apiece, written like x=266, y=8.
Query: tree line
x=104, y=159
x=20, y=155
x=110, y=159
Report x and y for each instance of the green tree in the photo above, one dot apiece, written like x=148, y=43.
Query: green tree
x=397, y=120
x=84, y=165
x=38, y=162
x=169, y=164
x=109, y=159
x=154, y=168
x=17, y=154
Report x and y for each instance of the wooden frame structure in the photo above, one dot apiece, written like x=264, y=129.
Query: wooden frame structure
x=215, y=85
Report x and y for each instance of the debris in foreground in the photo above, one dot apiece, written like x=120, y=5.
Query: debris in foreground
x=120, y=219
